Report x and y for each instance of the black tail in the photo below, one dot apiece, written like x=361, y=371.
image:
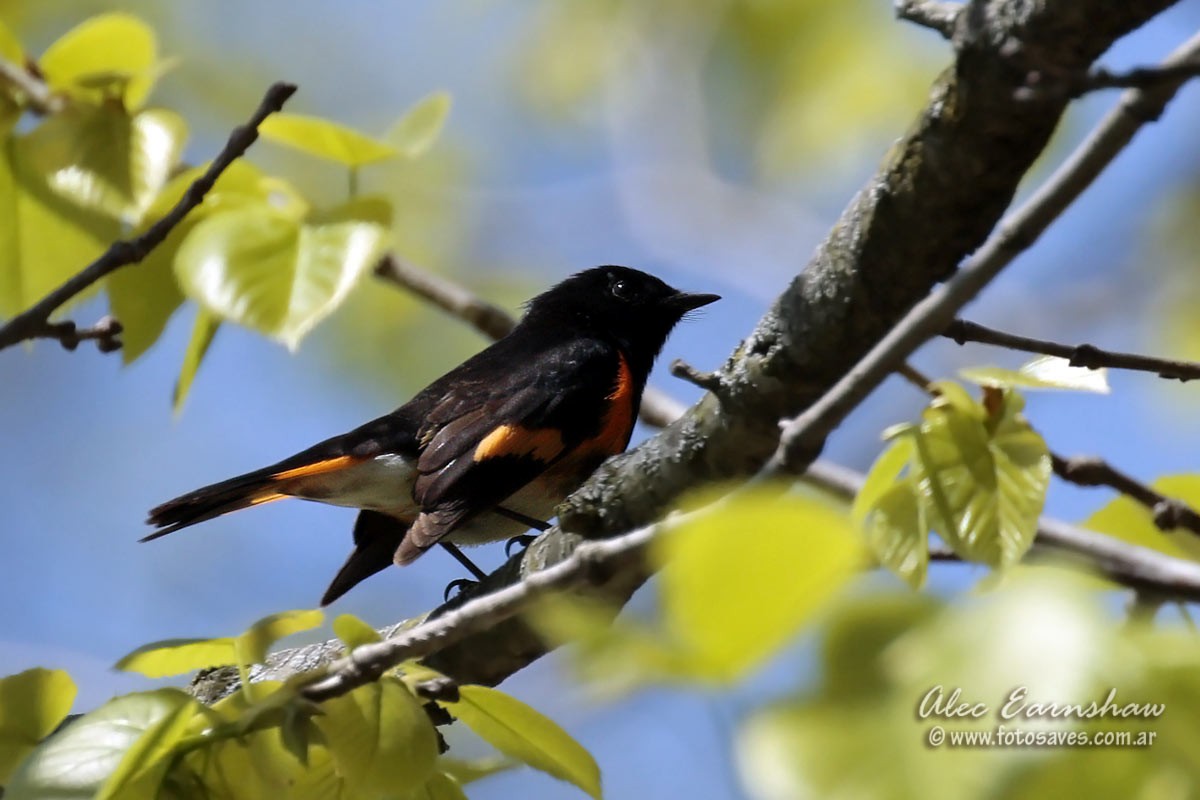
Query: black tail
x=376, y=537
x=234, y=494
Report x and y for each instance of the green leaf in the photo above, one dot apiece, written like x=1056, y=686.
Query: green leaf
x=416, y=131
x=324, y=139
x=522, y=733
x=1130, y=521
x=1044, y=372
x=259, y=268
x=882, y=476
x=731, y=600
x=103, y=52
x=101, y=158
x=145, y=297
x=145, y=763
x=44, y=240
x=79, y=761
x=260, y=763
x=179, y=656
x=204, y=330
x=898, y=533
x=32, y=704
x=464, y=771
x=255, y=642
x=353, y=632
x=10, y=46
x=440, y=787
x=982, y=476
x=380, y=738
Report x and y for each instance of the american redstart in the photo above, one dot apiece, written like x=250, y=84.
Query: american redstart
x=489, y=449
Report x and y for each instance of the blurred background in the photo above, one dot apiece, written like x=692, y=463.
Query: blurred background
x=712, y=143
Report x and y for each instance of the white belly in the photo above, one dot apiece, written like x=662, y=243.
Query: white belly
x=384, y=483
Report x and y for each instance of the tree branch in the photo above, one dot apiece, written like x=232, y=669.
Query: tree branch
x=804, y=437
x=36, y=92
x=1098, y=79
x=1169, y=513
x=1080, y=355
x=456, y=300
x=936, y=15
x=658, y=409
x=35, y=322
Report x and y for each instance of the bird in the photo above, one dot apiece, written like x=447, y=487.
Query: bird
x=488, y=450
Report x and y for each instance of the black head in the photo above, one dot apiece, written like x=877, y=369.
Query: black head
x=634, y=309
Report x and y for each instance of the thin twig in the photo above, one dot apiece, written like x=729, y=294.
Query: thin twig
x=1080, y=355
x=35, y=322
x=455, y=299
x=1169, y=513
x=658, y=409
x=1039, y=84
x=38, y=95
x=933, y=14
x=804, y=437
x=104, y=333
x=709, y=381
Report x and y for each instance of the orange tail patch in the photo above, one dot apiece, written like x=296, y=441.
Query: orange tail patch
x=317, y=468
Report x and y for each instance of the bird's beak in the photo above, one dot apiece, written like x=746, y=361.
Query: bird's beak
x=684, y=302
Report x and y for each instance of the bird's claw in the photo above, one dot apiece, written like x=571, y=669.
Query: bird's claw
x=457, y=587
x=522, y=541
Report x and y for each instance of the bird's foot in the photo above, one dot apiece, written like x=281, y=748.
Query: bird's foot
x=517, y=541
x=457, y=587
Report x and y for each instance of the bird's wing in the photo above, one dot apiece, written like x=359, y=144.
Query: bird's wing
x=482, y=443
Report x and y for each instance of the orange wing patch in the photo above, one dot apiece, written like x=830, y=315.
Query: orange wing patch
x=319, y=468
x=544, y=444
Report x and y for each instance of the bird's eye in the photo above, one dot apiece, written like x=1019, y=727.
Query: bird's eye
x=622, y=290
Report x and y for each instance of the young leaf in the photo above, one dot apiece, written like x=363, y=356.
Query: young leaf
x=416, y=131
x=982, y=476
x=464, y=772
x=100, y=158
x=380, y=738
x=882, y=476
x=204, y=330
x=1044, y=372
x=524, y=734
x=324, y=139
x=741, y=581
x=145, y=763
x=10, y=46
x=258, y=267
x=43, y=238
x=144, y=299
x=254, y=643
x=79, y=760
x=440, y=787
x=179, y=656
x=898, y=533
x=107, y=49
x=354, y=632
x=32, y=704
